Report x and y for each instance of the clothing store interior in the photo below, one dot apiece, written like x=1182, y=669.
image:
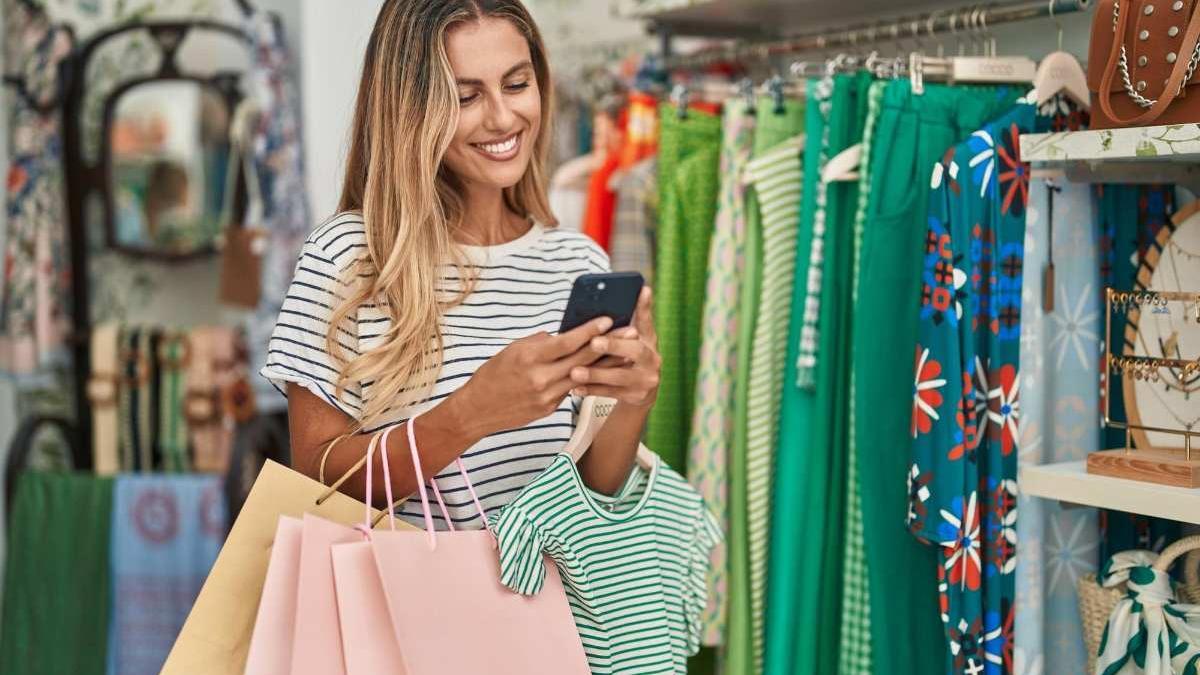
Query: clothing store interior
x=887, y=338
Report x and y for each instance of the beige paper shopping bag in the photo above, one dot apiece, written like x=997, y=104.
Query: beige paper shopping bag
x=216, y=637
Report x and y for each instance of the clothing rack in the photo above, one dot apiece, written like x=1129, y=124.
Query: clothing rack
x=974, y=20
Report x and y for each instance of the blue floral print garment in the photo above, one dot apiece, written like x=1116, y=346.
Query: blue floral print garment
x=962, y=482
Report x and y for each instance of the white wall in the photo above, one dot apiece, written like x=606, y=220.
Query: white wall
x=334, y=40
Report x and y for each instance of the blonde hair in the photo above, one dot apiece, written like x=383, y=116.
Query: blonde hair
x=405, y=117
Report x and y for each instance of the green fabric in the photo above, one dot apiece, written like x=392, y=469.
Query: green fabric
x=712, y=419
x=919, y=129
x=771, y=128
x=56, y=580
x=776, y=179
x=688, y=182
x=856, y=656
x=804, y=607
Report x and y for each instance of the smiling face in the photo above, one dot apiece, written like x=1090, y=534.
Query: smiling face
x=500, y=105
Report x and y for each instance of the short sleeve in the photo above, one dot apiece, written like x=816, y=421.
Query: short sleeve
x=708, y=534
x=297, y=351
x=522, y=568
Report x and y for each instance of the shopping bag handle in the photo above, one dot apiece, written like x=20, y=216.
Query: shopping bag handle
x=376, y=440
x=462, y=470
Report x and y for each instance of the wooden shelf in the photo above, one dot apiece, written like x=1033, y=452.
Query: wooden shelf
x=1169, y=143
x=1070, y=482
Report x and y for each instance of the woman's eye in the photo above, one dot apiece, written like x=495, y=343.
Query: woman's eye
x=464, y=100
x=518, y=86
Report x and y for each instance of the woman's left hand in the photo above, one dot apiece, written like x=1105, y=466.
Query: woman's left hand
x=629, y=371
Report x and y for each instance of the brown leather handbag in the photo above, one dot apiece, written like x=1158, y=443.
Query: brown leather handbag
x=1142, y=63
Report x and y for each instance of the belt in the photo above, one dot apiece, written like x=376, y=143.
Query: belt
x=172, y=428
x=103, y=389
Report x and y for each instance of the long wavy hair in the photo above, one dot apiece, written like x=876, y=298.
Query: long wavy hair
x=405, y=116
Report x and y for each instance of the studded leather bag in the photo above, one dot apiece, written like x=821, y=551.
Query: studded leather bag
x=1143, y=62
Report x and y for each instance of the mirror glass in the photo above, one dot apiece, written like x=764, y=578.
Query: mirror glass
x=169, y=149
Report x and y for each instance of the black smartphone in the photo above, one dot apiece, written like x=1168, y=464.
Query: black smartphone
x=614, y=295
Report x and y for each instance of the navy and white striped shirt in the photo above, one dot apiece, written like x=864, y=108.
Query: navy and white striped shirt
x=522, y=288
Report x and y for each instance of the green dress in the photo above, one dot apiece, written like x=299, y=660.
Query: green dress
x=772, y=128
x=688, y=179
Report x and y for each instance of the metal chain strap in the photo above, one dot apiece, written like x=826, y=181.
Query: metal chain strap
x=1144, y=102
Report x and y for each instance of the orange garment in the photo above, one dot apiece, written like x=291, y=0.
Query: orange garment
x=641, y=129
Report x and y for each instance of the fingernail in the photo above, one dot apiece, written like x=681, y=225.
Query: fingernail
x=599, y=344
x=579, y=374
x=605, y=324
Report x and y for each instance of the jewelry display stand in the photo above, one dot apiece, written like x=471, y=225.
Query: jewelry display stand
x=1167, y=466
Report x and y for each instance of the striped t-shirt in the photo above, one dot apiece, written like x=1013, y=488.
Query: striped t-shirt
x=522, y=289
x=634, y=567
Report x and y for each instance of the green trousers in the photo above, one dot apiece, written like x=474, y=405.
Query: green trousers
x=687, y=185
x=772, y=128
x=804, y=596
x=914, y=131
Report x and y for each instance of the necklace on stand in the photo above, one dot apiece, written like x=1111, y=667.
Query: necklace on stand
x=1186, y=424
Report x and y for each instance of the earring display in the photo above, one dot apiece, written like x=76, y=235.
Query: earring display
x=1169, y=376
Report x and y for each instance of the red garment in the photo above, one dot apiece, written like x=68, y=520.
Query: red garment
x=601, y=202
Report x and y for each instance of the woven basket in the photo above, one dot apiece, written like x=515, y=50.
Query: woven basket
x=1096, y=602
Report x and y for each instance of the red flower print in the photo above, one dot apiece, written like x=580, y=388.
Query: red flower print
x=959, y=538
x=1014, y=176
x=1004, y=408
x=926, y=397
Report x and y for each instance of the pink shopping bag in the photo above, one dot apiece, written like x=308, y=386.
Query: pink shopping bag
x=449, y=611
x=271, y=642
x=317, y=643
x=368, y=644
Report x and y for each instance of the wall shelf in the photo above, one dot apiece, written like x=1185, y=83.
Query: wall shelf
x=1070, y=482
x=1169, y=143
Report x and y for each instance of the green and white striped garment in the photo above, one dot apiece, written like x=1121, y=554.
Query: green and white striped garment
x=776, y=176
x=633, y=565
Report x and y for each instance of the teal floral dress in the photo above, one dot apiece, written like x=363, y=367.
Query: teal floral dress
x=966, y=408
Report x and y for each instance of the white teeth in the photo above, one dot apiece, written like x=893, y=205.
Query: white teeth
x=498, y=148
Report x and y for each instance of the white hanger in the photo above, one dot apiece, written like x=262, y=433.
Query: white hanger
x=843, y=167
x=989, y=68
x=1060, y=72
x=592, y=415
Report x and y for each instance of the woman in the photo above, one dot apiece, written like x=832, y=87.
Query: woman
x=433, y=289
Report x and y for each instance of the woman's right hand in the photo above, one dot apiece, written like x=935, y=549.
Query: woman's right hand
x=528, y=379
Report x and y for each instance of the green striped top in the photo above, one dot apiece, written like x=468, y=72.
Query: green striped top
x=633, y=566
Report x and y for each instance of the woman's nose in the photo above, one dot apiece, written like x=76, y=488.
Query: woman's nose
x=500, y=116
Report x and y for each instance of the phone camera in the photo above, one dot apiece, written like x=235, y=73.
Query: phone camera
x=600, y=286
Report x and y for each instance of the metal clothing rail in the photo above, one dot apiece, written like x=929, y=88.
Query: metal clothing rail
x=970, y=21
